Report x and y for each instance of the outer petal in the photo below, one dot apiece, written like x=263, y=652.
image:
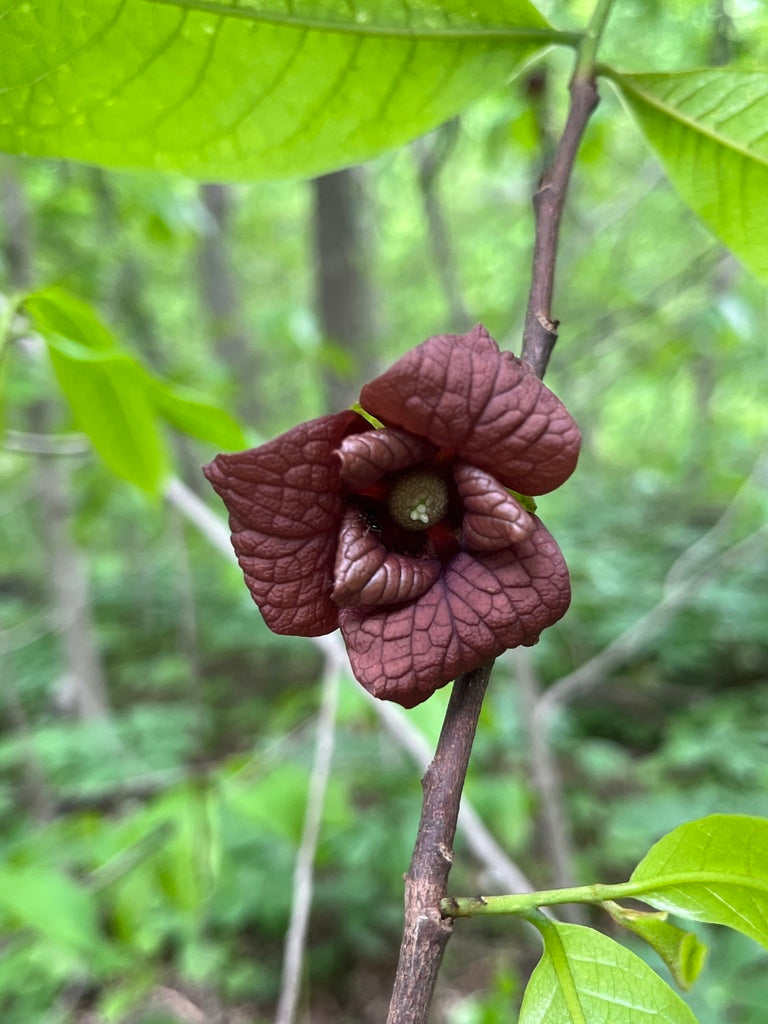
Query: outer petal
x=286, y=502
x=480, y=606
x=365, y=458
x=461, y=392
x=367, y=574
x=493, y=519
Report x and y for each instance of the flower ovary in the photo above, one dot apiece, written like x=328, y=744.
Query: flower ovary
x=418, y=499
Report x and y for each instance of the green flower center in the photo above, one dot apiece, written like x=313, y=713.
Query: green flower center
x=418, y=499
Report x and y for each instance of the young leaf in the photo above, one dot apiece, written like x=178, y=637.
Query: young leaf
x=192, y=414
x=106, y=388
x=681, y=951
x=714, y=869
x=585, y=978
x=57, y=311
x=709, y=130
x=109, y=402
x=257, y=89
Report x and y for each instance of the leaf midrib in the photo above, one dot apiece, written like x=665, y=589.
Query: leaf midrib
x=501, y=33
x=660, y=882
x=627, y=84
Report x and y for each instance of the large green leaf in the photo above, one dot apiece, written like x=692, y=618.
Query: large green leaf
x=253, y=89
x=586, y=978
x=714, y=869
x=709, y=130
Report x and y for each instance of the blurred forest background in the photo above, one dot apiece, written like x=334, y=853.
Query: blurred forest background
x=157, y=740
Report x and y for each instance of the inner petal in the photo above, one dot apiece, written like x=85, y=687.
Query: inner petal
x=367, y=574
x=366, y=457
x=493, y=519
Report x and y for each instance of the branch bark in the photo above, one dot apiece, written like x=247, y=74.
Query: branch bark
x=540, y=331
x=426, y=932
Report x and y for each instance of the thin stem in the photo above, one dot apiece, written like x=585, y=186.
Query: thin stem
x=303, y=880
x=521, y=904
x=540, y=331
x=587, y=53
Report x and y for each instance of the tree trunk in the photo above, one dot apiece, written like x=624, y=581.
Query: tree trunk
x=220, y=296
x=343, y=289
x=69, y=587
x=69, y=591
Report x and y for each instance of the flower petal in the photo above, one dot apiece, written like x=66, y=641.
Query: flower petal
x=480, y=606
x=365, y=458
x=286, y=502
x=493, y=519
x=461, y=392
x=367, y=574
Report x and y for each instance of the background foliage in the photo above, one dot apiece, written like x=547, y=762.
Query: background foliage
x=147, y=852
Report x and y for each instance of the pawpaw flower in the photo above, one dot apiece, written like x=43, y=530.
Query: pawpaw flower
x=406, y=533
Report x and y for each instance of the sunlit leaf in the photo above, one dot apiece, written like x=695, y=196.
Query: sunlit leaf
x=680, y=950
x=52, y=904
x=709, y=130
x=714, y=869
x=192, y=414
x=110, y=404
x=224, y=89
x=105, y=387
x=586, y=978
x=58, y=312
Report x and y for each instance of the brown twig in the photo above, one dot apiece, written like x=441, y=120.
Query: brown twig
x=540, y=332
x=426, y=933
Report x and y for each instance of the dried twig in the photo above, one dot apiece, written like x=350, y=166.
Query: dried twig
x=303, y=874
x=636, y=637
x=548, y=785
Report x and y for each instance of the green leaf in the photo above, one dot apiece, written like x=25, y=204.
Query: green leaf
x=192, y=414
x=51, y=904
x=586, y=978
x=709, y=130
x=256, y=89
x=681, y=951
x=58, y=312
x=105, y=387
x=714, y=869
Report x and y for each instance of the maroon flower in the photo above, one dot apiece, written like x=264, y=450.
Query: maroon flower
x=407, y=536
